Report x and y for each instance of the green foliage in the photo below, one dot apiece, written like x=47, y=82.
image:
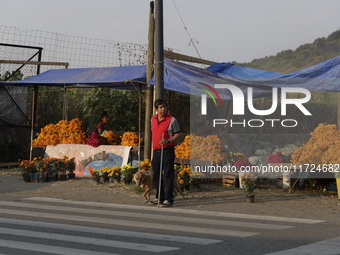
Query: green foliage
x=179, y=107
x=122, y=107
x=304, y=56
x=12, y=76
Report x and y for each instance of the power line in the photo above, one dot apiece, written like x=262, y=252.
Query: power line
x=192, y=40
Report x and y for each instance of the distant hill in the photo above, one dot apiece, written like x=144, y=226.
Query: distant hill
x=304, y=56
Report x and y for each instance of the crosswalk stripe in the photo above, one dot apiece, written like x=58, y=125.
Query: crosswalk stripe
x=135, y=224
x=326, y=247
x=88, y=240
x=131, y=234
x=175, y=210
x=150, y=216
x=48, y=248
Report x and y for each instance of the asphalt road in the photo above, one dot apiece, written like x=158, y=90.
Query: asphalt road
x=78, y=217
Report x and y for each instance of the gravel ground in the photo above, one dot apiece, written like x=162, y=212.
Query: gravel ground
x=210, y=197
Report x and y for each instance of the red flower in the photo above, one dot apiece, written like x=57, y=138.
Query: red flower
x=243, y=162
x=94, y=140
x=275, y=158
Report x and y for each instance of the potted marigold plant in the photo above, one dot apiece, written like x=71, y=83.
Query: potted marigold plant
x=70, y=166
x=242, y=165
x=183, y=177
x=105, y=171
x=27, y=167
x=248, y=183
x=195, y=179
x=145, y=165
x=127, y=173
x=115, y=174
x=95, y=176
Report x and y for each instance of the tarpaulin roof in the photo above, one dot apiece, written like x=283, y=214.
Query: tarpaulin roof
x=190, y=80
x=321, y=77
x=117, y=77
x=241, y=72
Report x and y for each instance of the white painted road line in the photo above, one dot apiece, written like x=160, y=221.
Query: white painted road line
x=134, y=224
x=148, y=216
x=131, y=234
x=175, y=210
x=47, y=249
x=87, y=240
x=326, y=247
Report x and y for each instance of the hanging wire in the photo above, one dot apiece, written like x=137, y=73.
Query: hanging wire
x=192, y=40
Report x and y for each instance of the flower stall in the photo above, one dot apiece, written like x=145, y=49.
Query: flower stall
x=68, y=138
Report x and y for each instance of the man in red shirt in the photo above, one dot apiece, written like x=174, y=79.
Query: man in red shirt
x=165, y=132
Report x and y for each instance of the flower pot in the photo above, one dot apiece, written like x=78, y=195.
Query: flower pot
x=71, y=175
x=52, y=177
x=34, y=177
x=250, y=198
x=127, y=180
x=117, y=180
x=106, y=178
x=96, y=179
x=27, y=177
x=43, y=177
x=62, y=177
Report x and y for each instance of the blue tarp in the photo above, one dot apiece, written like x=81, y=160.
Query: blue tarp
x=116, y=77
x=321, y=77
x=241, y=72
x=190, y=80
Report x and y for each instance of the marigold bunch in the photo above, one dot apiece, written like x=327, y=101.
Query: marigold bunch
x=115, y=172
x=66, y=132
x=203, y=148
x=48, y=165
x=105, y=170
x=322, y=148
x=130, y=139
x=94, y=172
x=235, y=156
x=112, y=137
x=207, y=148
x=145, y=165
x=128, y=171
x=183, y=176
x=183, y=150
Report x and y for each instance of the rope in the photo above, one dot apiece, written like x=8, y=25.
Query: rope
x=192, y=40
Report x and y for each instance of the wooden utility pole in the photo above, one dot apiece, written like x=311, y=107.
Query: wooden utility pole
x=149, y=88
x=159, y=50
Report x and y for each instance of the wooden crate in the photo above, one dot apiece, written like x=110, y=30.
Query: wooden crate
x=230, y=180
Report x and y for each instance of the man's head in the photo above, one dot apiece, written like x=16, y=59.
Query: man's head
x=161, y=107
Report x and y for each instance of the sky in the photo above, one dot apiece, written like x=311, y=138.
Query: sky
x=222, y=30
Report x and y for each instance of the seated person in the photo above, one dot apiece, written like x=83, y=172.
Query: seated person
x=101, y=126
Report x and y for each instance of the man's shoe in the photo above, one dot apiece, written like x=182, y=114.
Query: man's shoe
x=166, y=203
x=154, y=202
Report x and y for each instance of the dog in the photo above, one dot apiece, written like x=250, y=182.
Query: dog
x=144, y=179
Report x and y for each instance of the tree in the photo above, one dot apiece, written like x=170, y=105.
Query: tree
x=14, y=76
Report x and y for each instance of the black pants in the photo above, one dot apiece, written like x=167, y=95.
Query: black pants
x=168, y=174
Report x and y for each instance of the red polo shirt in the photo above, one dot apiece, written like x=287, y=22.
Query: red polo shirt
x=167, y=126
